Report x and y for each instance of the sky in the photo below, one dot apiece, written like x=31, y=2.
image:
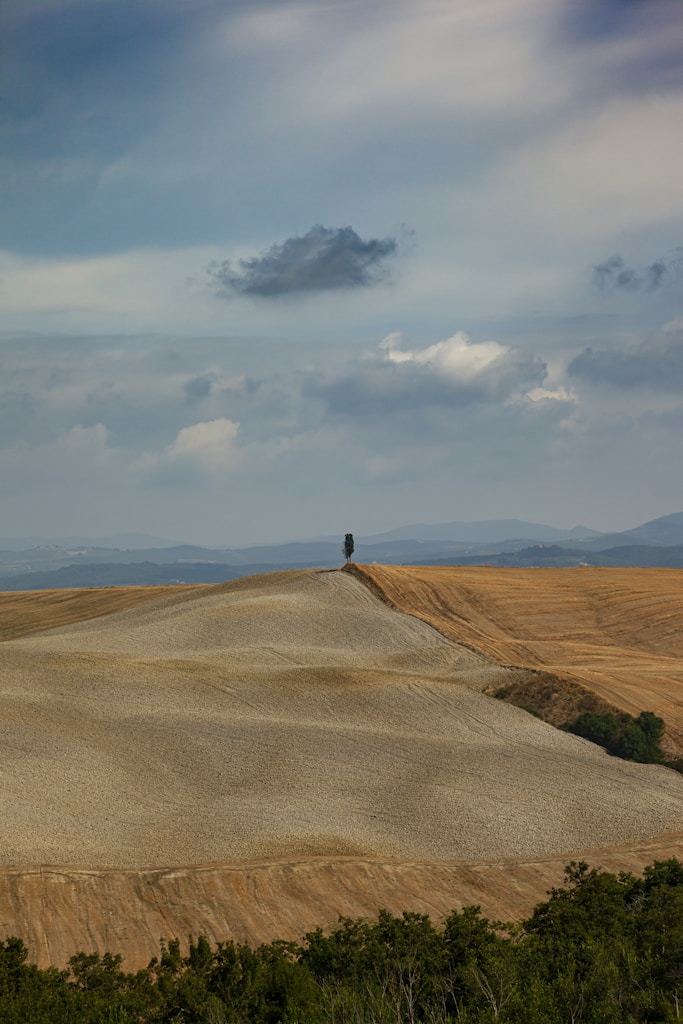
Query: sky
x=280, y=270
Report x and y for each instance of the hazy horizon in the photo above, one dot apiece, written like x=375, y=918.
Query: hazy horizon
x=141, y=539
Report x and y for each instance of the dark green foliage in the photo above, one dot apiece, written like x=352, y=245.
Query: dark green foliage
x=348, y=546
x=603, y=949
x=636, y=739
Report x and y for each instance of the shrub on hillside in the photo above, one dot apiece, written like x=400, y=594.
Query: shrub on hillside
x=635, y=739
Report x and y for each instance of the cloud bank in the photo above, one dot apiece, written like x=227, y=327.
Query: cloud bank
x=454, y=375
x=655, y=364
x=204, y=435
x=322, y=260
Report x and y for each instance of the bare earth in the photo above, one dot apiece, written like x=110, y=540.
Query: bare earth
x=308, y=749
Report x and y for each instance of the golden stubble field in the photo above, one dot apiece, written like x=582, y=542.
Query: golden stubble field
x=253, y=759
x=616, y=631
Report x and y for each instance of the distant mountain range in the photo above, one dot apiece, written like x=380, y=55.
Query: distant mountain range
x=128, y=541
x=667, y=531
x=488, y=531
x=144, y=559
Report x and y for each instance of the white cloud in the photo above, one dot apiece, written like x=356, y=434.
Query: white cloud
x=457, y=357
x=560, y=394
x=455, y=371
x=209, y=447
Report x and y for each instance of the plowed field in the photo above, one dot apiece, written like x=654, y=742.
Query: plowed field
x=257, y=757
x=617, y=631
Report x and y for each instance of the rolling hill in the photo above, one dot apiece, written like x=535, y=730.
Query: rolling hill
x=255, y=758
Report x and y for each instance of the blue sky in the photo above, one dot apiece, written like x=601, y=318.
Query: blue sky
x=273, y=270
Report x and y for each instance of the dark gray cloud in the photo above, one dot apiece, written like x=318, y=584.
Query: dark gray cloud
x=587, y=20
x=655, y=364
x=86, y=43
x=640, y=40
x=323, y=259
x=198, y=387
x=616, y=274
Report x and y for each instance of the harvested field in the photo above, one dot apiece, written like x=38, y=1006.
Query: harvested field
x=128, y=911
x=272, y=752
x=33, y=611
x=616, y=631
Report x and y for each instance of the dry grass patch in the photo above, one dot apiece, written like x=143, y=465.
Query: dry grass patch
x=555, y=700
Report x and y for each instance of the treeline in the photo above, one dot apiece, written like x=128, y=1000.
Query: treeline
x=604, y=948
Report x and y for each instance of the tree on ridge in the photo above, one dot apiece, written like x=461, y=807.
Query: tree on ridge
x=348, y=546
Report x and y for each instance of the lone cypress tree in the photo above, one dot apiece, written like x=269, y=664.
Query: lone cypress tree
x=348, y=546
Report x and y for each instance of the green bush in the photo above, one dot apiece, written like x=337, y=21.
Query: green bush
x=635, y=739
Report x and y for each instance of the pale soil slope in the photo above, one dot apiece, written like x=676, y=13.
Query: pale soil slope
x=618, y=632
x=290, y=714
x=327, y=754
